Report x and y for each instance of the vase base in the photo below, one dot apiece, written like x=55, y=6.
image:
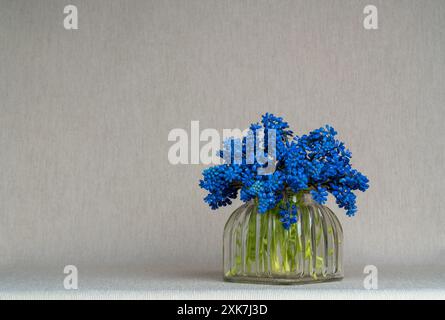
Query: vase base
x=281, y=280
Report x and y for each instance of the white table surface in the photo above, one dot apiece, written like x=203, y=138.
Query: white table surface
x=169, y=283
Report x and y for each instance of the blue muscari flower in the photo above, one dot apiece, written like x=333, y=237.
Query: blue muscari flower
x=320, y=194
x=288, y=214
x=316, y=161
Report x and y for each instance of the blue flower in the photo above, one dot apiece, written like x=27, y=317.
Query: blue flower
x=320, y=194
x=316, y=161
x=288, y=213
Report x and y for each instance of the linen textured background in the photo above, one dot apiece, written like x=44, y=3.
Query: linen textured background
x=85, y=115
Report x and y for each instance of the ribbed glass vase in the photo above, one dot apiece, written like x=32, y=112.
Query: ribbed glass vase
x=258, y=249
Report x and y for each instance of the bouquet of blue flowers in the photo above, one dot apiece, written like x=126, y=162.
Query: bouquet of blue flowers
x=316, y=162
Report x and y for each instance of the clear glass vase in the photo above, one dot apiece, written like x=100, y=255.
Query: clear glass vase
x=258, y=249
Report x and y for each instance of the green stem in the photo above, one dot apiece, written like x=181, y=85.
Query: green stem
x=283, y=247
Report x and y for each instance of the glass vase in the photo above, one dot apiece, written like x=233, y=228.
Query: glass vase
x=258, y=249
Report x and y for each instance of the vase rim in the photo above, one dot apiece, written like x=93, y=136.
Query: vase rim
x=304, y=196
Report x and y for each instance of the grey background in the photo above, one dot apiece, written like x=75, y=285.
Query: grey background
x=85, y=114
